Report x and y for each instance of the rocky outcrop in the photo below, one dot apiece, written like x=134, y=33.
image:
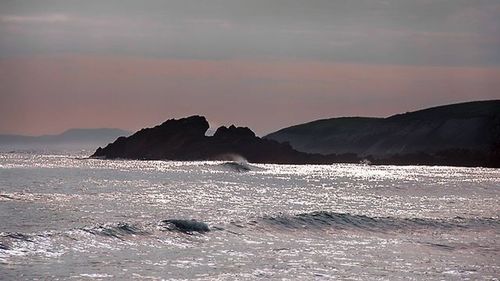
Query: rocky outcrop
x=174, y=139
x=185, y=139
x=466, y=134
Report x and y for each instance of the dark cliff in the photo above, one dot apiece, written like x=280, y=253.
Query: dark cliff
x=185, y=139
x=465, y=134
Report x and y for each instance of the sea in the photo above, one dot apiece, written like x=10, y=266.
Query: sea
x=64, y=216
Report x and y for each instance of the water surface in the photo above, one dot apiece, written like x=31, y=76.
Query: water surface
x=63, y=216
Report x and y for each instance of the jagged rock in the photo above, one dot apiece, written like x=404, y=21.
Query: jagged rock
x=185, y=139
x=233, y=132
x=465, y=134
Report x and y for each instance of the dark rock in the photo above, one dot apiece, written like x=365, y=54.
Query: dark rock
x=170, y=140
x=465, y=134
x=235, y=133
x=185, y=139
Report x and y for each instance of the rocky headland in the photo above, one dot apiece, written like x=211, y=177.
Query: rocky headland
x=185, y=140
x=466, y=134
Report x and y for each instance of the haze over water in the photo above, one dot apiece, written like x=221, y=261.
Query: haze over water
x=65, y=217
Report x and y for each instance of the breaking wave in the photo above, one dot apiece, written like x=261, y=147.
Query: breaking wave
x=186, y=226
x=236, y=166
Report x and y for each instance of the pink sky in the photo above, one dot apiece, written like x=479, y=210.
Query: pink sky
x=265, y=64
x=41, y=95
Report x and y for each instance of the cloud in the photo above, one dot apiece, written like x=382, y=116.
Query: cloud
x=406, y=32
x=35, y=19
x=220, y=23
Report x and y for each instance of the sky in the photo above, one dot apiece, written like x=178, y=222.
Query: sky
x=265, y=64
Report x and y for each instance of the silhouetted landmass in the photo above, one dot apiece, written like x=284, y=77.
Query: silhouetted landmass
x=93, y=136
x=185, y=140
x=465, y=134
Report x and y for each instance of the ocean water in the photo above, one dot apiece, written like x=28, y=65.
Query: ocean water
x=66, y=217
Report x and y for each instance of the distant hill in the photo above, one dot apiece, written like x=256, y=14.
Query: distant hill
x=71, y=136
x=461, y=130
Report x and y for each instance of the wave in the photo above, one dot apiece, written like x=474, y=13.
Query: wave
x=19, y=236
x=240, y=167
x=6, y=197
x=236, y=166
x=7, y=240
x=42, y=241
x=119, y=230
x=16, y=242
x=313, y=221
x=186, y=226
x=323, y=219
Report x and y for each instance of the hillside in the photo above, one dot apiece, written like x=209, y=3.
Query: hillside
x=471, y=128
